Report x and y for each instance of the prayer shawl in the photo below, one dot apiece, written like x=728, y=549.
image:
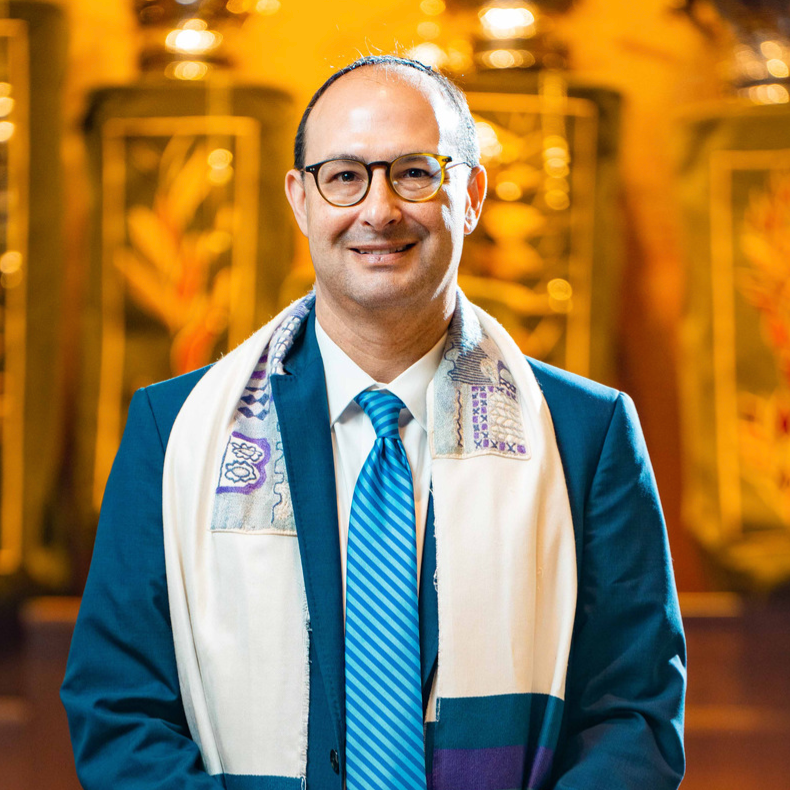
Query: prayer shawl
x=505, y=563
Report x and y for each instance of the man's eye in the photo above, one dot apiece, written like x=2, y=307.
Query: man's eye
x=346, y=177
x=415, y=172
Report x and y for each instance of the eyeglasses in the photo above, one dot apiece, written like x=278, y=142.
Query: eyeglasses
x=413, y=177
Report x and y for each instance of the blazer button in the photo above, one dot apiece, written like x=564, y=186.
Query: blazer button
x=334, y=760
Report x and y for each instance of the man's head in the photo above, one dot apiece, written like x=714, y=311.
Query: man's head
x=467, y=142
x=386, y=253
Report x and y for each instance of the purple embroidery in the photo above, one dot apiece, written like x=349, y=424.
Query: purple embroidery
x=242, y=470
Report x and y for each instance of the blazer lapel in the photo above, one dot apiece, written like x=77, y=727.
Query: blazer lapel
x=429, y=609
x=300, y=397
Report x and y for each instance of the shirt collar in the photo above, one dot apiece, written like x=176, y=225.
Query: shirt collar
x=345, y=379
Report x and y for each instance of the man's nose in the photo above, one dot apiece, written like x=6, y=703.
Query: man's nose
x=381, y=207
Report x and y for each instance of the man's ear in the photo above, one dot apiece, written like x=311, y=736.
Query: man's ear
x=476, y=190
x=295, y=192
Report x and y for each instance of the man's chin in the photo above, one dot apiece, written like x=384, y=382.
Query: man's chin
x=401, y=290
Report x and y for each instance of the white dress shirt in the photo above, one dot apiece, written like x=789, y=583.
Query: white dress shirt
x=353, y=434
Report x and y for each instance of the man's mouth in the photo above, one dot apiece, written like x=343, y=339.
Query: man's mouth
x=382, y=250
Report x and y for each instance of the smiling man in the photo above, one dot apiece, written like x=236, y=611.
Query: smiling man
x=375, y=546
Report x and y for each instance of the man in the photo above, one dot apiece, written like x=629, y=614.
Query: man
x=374, y=545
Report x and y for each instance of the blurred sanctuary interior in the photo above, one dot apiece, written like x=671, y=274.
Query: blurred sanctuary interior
x=637, y=231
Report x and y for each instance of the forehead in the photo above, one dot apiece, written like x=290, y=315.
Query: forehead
x=380, y=112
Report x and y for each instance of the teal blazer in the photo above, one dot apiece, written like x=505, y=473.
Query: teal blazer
x=622, y=727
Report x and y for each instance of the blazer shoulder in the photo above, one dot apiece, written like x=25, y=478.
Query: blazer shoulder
x=570, y=392
x=582, y=412
x=167, y=397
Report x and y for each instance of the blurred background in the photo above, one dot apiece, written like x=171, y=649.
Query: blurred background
x=637, y=231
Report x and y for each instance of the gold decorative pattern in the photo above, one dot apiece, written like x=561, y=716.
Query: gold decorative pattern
x=183, y=254
x=531, y=265
x=13, y=292
x=750, y=238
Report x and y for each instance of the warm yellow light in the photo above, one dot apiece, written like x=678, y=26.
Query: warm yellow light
x=508, y=190
x=432, y=7
x=428, y=30
x=194, y=24
x=557, y=167
x=219, y=158
x=267, y=7
x=10, y=262
x=559, y=289
x=458, y=60
x=755, y=69
x=508, y=58
x=188, y=70
x=501, y=59
x=192, y=42
x=490, y=147
x=771, y=49
x=555, y=182
x=507, y=22
x=11, y=269
x=777, y=68
x=220, y=175
x=6, y=131
x=429, y=54
x=5, y=89
x=6, y=106
x=11, y=280
x=560, y=305
x=219, y=161
x=555, y=146
x=236, y=6
x=769, y=94
x=557, y=199
x=555, y=152
x=219, y=241
x=776, y=94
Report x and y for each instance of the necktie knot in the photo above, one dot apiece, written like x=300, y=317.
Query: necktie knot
x=383, y=409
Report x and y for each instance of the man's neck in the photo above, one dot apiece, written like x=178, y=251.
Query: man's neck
x=384, y=343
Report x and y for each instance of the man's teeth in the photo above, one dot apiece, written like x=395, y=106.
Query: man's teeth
x=383, y=252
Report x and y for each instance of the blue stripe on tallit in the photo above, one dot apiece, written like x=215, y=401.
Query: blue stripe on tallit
x=250, y=782
x=504, y=741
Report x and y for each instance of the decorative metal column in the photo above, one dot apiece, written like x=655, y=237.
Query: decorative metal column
x=32, y=61
x=546, y=257
x=192, y=235
x=735, y=189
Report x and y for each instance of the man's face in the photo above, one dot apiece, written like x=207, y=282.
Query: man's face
x=385, y=253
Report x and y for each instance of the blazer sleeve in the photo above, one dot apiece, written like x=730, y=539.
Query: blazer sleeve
x=627, y=678
x=121, y=690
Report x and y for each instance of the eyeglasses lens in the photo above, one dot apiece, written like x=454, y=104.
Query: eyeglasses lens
x=344, y=181
x=416, y=177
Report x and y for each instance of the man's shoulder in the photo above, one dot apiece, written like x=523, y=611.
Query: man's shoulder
x=582, y=413
x=167, y=397
x=577, y=394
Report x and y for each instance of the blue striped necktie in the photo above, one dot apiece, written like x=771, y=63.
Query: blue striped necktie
x=384, y=725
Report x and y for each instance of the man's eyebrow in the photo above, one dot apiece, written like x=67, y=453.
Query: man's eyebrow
x=353, y=157
x=358, y=158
